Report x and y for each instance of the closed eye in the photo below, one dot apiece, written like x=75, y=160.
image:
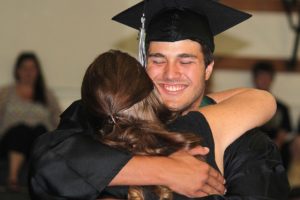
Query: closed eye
x=186, y=62
x=157, y=58
x=187, y=59
x=159, y=62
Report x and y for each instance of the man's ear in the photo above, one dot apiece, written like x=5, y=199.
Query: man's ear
x=208, y=70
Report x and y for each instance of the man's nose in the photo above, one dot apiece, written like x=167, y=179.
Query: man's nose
x=171, y=71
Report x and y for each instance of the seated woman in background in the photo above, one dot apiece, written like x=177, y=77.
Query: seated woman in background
x=127, y=114
x=27, y=109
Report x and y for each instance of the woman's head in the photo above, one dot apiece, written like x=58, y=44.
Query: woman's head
x=27, y=68
x=119, y=97
x=28, y=71
x=114, y=82
x=117, y=91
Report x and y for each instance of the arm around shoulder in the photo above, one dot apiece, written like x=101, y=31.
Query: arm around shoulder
x=76, y=167
x=245, y=109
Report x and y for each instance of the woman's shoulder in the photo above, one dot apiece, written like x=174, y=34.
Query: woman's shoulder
x=51, y=141
x=192, y=121
x=51, y=95
x=5, y=91
x=7, y=88
x=195, y=122
x=50, y=92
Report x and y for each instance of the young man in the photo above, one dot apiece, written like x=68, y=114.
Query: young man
x=179, y=62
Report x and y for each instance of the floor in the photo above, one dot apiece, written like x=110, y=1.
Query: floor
x=12, y=196
x=6, y=194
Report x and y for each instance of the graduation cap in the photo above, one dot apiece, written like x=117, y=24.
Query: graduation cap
x=174, y=20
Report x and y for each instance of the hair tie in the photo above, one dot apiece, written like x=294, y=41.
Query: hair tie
x=113, y=119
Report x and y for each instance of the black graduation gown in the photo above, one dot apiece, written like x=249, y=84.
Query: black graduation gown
x=70, y=164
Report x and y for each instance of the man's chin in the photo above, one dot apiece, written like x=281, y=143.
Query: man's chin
x=175, y=106
x=179, y=107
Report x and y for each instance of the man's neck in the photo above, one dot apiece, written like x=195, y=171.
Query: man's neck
x=193, y=107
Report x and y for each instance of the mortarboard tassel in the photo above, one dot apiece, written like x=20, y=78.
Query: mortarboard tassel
x=142, y=50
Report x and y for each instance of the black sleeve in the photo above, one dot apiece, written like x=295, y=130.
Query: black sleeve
x=252, y=166
x=253, y=170
x=72, y=165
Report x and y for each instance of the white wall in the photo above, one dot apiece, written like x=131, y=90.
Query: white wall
x=69, y=34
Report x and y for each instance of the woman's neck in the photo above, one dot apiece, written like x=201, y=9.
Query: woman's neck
x=25, y=91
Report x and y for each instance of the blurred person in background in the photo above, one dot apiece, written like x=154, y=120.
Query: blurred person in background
x=279, y=126
x=27, y=109
x=294, y=170
x=298, y=128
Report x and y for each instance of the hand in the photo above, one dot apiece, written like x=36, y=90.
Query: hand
x=192, y=177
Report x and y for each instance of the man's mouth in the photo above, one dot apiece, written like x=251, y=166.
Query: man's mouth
x=173, y=88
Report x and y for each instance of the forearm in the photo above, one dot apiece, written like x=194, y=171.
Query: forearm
x=241, y=112
x=142, y=170
x=253, y=102
x=176, y=172
x=251, y=107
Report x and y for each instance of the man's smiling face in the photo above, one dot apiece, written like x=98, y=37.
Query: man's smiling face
x=178, y=72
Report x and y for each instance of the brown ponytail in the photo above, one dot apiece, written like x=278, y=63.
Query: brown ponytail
x=118, y=92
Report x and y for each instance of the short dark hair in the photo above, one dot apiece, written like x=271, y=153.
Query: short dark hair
x=207, y=53
x=263, y=66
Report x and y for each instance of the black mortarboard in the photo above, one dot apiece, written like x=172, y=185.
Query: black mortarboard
x=174, y=20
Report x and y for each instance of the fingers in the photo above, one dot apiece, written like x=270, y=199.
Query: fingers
x=214, y=183
x=208, y=190
x=208, y=181
x=214, y=173
x=213, y=187
x=199, y=150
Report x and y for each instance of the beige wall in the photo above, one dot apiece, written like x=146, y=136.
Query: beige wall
x=285, y=87
x=68, y=34
x=263, y=35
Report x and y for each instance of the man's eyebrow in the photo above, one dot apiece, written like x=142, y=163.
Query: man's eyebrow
x=156, y=55
x=186, y=55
